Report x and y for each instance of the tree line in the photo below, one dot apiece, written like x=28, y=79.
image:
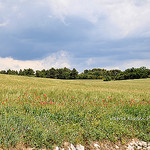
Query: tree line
x=96, y=73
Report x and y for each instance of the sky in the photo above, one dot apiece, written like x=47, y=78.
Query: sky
x=81, y=34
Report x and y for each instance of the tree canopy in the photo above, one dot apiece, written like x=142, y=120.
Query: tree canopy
x=95, y=73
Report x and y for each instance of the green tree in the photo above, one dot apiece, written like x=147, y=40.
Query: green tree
x=28, y=72
x=52, y=73
x=74, y=74
x=107, y=78
x=38, y=73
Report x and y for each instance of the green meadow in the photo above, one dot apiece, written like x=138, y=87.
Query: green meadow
x=41, y=113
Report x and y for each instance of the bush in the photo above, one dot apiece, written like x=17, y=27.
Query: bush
x=107, y=78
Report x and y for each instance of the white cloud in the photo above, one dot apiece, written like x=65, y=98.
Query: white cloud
x=136, y=63
x=4, y=24
x=129, y=64
x=111, y=19
x=1, y=6
x=63, y=59
x=56, y=60
x=112, y=68
x=117, y=18
x=89, y=61
x=109, y=63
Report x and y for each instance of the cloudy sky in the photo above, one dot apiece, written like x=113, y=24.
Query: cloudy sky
x=74, y=33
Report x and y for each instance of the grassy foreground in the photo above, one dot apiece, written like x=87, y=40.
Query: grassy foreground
x=45, y=112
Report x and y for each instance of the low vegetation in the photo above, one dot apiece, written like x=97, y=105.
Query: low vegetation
x=40, y=112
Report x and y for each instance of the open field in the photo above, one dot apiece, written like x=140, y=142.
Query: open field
x=45, y=112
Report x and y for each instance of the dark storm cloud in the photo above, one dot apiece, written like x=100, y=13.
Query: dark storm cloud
x=92, y=33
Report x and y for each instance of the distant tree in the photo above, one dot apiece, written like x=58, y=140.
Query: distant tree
x=80, y=76
x=86, y=71
x=28, y=72
x=114, y=73
x=9, y=71
x=60, y=73
x=43, y=73
x=3, y=72
x=83, y=76
x=95, y=73
x=66, y=73
x=100, y=77
x=74, y=74
x=38, y=73
x=14, y=72
x=20, y=72
x=52, y=73
x=107, y=78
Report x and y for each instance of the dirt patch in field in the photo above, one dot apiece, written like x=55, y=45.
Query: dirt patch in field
x=99, y=145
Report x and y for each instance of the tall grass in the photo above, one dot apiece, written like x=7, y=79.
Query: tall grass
x=45, y=112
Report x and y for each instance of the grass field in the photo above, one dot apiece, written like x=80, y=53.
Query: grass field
x=45, y=112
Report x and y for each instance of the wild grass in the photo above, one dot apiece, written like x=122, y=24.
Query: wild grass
x=45, y=112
